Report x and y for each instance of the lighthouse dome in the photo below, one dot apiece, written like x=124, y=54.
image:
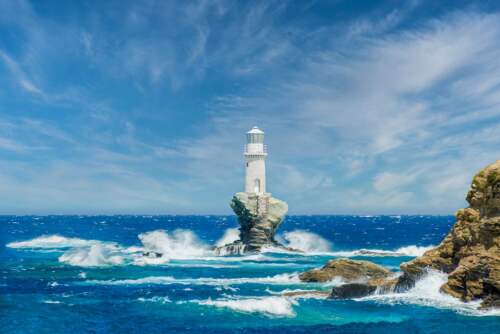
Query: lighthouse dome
x=256, y=130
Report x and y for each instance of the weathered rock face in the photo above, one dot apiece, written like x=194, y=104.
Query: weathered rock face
x=347, y=270
x=470, y=253
x=362, y=277
x=259, y=218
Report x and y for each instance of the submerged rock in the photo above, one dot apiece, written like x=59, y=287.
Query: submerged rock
x=470, y=252
x=259, y=217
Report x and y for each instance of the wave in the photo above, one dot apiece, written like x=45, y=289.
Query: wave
x=230, y=235
x=411, y=250
x=99, y=254
x=427, y=293
x=305, y=241
x=268, y=306
x=292, y=278
x=164, y=246
x=160, y=247
x=52, y=242
x=179, y=244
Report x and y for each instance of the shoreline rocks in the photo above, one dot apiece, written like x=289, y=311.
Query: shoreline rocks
x=470, y=252
x=362, y=277
x=259, y=217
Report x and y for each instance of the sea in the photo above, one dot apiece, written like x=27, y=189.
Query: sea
x=102, y=274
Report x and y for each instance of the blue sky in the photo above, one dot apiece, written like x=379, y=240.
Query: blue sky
x=369, y=107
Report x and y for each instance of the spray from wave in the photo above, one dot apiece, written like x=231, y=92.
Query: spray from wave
x=305, y=241
x=179, y=244
x=230, y=235
x=427, y=293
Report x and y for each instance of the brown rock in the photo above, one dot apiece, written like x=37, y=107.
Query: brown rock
x=347, y=269
x=470, y=253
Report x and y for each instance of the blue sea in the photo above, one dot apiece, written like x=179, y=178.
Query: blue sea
x=93, y=274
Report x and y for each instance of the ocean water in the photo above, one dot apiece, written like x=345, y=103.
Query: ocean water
x=89, y=274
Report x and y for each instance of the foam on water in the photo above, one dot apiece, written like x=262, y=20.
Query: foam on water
x=411, y=250
x=291, y=278
x=268, y=306
x=179, y=244
x=427, y=293
x=99, y=254
x=52, y=242
x=230, y=235
x=306, y=241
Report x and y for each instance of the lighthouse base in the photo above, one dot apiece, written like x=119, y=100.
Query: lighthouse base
x=259, y=216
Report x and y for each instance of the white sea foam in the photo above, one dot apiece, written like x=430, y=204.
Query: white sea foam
x=411, y=250
x=268, y=306
x=230, y=235
x=99, y=254
x=306, y=241
x=166, y=280
x=414, y=250
x=427, y=293
x=52, y=242
x=179, y=244
x=156, y=299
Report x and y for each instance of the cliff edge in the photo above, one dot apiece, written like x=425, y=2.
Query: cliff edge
x=470, y=252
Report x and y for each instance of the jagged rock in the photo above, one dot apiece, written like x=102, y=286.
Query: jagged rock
x=259, y=217
x=347, y=270
x=470, y=253
x=352, y=290
x=362, y=277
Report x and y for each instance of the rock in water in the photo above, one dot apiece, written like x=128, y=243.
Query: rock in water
x=362, y=277
x=470, y=253
x=347, y=270
x=259, y=217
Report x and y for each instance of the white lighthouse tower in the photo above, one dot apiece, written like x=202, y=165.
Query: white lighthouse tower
x=255, y=159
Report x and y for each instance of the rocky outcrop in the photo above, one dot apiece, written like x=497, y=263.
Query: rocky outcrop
x=346, y=269
x=362, y=277
x=259, y=217
x=470, y=253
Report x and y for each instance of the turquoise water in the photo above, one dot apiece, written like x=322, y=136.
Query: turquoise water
x=81, y=274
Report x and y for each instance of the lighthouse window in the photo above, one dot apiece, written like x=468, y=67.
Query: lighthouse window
x=247, y=164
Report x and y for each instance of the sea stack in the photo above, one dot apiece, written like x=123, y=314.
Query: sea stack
x=259, y=214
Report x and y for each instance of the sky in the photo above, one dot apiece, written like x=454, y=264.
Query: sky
x=141, y=107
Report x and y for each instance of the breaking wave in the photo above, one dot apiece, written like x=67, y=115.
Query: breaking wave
x=411, y=250
x=306, y=241
x=268, y=306
x=160, y=247
x=230, y=235
x=99, y=254
x=427, y=293
x=52, y=242
x=292, y=278
x=179, y=244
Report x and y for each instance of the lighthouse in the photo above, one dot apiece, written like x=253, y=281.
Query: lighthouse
x=255, y=162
